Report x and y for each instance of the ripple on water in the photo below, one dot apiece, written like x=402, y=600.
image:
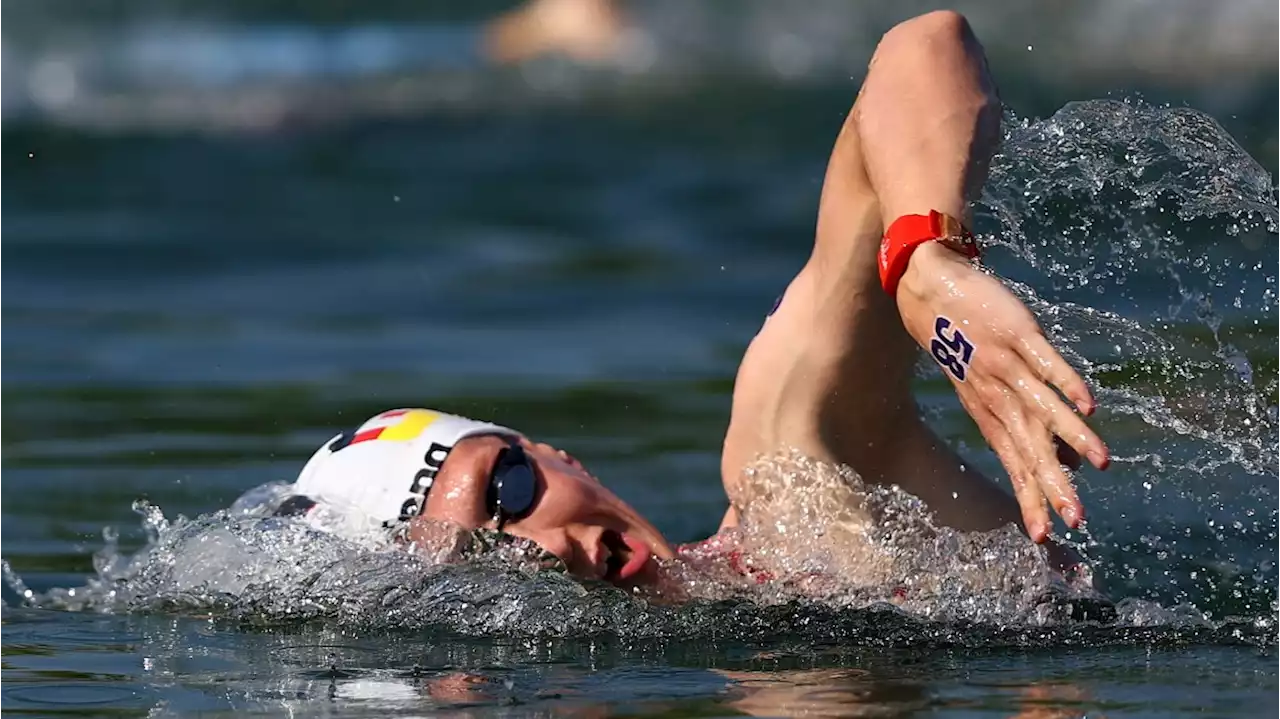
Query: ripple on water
x=77, y=694
x=881, y=575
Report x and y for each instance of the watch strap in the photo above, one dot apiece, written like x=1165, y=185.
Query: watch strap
x=908, y=232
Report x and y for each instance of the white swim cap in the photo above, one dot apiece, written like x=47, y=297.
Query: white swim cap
x=383, y=469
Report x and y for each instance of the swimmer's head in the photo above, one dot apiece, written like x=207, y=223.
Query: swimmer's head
x=406, y=468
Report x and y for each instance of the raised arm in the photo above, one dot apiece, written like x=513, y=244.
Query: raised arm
x=830, y=373
x=929, y=120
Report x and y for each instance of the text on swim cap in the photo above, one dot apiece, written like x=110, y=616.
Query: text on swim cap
x=433, y=460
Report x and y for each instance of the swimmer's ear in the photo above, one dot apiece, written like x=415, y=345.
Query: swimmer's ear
x=1066, y=455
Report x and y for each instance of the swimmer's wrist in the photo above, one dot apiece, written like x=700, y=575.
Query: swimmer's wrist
x=906, y=235
x=928, y=269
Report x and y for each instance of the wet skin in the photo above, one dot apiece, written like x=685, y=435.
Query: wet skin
x=574, y=516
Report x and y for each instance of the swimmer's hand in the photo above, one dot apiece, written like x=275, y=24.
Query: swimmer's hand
x=1005, y=371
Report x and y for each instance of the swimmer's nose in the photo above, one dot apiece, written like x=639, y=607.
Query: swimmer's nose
x=583, y=549
x=595, y=553
x=643, y=530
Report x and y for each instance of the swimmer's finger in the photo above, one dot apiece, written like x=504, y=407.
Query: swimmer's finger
x=1039, y=455
x=1044, y=404
x=1013, y=444
x=994, y=432
x=1050, y=367
x=1035, y=518
x=1054, y=483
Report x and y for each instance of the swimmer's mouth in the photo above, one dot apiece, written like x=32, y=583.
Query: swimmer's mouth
x=627, y=556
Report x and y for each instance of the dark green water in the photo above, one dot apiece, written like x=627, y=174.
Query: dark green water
x=192, y=306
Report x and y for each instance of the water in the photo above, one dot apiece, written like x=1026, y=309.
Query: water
x=196, y=298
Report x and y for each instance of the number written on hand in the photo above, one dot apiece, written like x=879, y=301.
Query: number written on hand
x=953, y=352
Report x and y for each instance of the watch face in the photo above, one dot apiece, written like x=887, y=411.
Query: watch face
x=953, y=234
x=949, y=226
x=964, y=244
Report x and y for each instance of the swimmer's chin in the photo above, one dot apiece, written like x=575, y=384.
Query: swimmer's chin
x=658, y=583
x=646, y=574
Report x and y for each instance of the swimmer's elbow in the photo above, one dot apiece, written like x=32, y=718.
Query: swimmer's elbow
x=930, y=65
x=936, y=33
x=933, y=47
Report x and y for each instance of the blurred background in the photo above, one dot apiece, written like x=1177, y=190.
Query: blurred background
x=235, y=228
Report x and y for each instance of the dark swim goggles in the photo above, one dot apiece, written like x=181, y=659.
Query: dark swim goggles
x=513, y=485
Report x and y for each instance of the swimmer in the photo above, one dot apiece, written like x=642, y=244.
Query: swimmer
x=893, y=270
x=586, y=31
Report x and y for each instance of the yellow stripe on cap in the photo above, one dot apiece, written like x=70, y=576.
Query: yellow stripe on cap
x=409, y=426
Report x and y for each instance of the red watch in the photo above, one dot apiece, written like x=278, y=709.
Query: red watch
x=909, y=232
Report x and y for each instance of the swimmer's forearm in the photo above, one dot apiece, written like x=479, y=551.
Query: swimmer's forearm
x=929, y=118
x=956, y=491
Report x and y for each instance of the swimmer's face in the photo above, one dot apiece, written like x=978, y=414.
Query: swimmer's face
x=596, y=534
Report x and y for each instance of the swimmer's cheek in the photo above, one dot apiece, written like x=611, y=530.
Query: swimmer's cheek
x=436, y=540
x=559, y=543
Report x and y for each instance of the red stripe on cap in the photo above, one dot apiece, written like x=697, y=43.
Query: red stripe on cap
x=367, y=435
